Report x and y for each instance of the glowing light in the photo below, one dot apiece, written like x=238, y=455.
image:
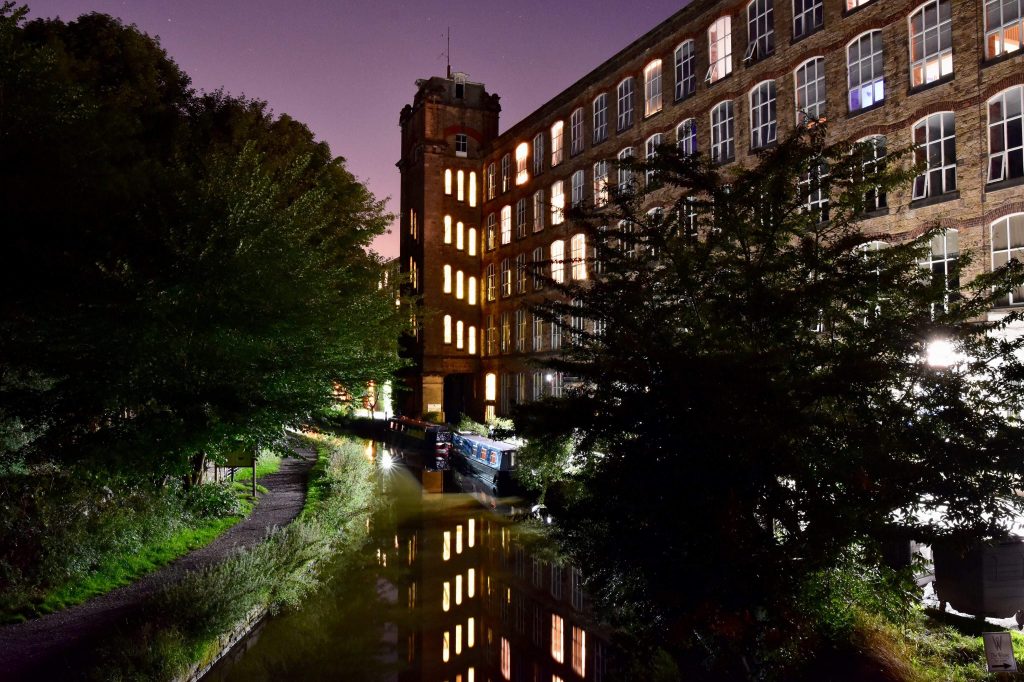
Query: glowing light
x=942, y=353
x=471, y=583
x=387, y=462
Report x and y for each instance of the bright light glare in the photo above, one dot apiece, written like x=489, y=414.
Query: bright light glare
x=941, y=353
x=386, y=461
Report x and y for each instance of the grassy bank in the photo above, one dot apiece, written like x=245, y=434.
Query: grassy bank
x=68, y=535
x=181, y=627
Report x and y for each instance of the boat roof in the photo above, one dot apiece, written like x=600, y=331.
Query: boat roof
x=417, y=422
x=488, y=442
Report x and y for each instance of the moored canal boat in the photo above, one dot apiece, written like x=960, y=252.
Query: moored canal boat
x=489, y=461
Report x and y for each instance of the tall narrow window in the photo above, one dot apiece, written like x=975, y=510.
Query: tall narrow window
x=1003, y=26
x=579, y=651
x=866, y=70
x=520, y=341
x=557, y=638
x=557, y=130
x=447, y=279
x=686, y=136
x=935, y=148
x=557, y=203
x=522, y=153
x=625, y=101
x=538, y=210
x=1006, y=135
x=763, y=126
x=472, y=188
x=722, y=133
x=931, y=42
x=506, y=278
x=459, y=285
x=506, y=346
x=491, y=180
x=506, y=225
x=461, y=144
x=506, y=173
x=577, y=188
x=760, y=30
x=875, y=198
x=652, y=88
x=447, y=180
x=558, y=261
x=447, y=328
x=521, y=273
x=460, y=186
x=600, y=183
x=625, y=173
x=538, y=268
x=941, y=261
x=719, y=49
x=460, y=238
x=686, y=76
x=471, y=339
x=490, y=387
x=538, y=345
x=578, y=253
x=459, y=329
x=538, y=153
x=447, y=229
x=600, y=118
x=576, y=132
x=809, y=79
x=650, y=151
x=471, y=291
x=491, y=236
x=808, y=17
x=471, y=238
x=1008, y=244
x=813, y=189
x=490, y=282
x=521, y=218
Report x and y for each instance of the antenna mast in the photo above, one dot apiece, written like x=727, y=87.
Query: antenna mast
x=448, y=52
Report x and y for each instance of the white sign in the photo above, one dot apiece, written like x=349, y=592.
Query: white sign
x=999, y=652
x=433, y=407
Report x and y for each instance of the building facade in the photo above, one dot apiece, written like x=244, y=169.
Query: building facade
x=722, y=78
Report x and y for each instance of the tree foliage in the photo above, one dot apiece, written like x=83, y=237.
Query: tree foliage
x=182, y=272
x=750, y=399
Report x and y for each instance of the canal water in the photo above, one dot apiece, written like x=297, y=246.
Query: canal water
x=446, y=588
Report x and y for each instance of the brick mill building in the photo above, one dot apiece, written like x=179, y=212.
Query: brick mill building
x=723, y=78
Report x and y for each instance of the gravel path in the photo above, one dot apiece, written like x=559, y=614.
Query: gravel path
x=26, y=647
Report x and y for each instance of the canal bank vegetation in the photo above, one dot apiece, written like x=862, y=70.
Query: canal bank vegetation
x=180, y=629
x=764, y=399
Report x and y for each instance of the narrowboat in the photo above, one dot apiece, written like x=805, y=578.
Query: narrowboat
x=488, y=461
x=435, y=439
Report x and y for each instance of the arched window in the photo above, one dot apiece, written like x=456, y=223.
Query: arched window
x=686, y=136
x=935, y=149
x=1003, y=26
x=1007, y=245
x=652, y=88
x=471, y=340
x=447, y=328
x=719, y=49
x=1006, y=135
x=460, y=236
x=460, y=186
x=931, y=42
x=809, y=80
x=447, y=180
x=558, y=260
x=760, y=30
x=471, y=238
x=471, y=291
x=447, y=229
x=458, y=333
x=459, y=285
x=447, y=279
x=557, y=203
x=686, y=69
x=722, y=133
x=578, y=253
x=490, y=386
x=472, y=188
x=522, y=154
x=865, y=68
x=624, y=93
x=763, y=124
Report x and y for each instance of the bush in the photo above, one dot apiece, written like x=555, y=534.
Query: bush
x=211, y=500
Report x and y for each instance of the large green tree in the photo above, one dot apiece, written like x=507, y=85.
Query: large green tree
x=751, y=403
x=181, y=272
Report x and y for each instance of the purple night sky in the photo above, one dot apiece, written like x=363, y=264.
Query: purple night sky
x=347, y=68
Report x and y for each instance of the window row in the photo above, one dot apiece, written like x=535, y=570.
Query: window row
x=516, y=273
x=462, y=191
x=463, y=336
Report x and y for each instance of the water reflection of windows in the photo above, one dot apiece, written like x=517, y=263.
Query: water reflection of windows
x=599, y=662
x=458, y=639
x=472, y=532
x=556, y=581
x=470, y=635
x=412, y=596
x=576, y=589
x=520, y=614
x=579, y=651
x=446, y=647
x=446, y=596
x=506, y=660
x=557, y=638
x=538, y=626
x=458, y=589
x=471, y=583
x=446, y=547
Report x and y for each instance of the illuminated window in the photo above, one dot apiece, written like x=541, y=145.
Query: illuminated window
x=722, y=133
x=538, y=210
x=506, y=660
x=471, y=291
x=458, y=335
x=506, y=173
x=558, y=260
x=448, y=181
x=651, y=150
x=538, y=268
x=624, y=93
x=521, y=273
x=472, y=188
x=578, y=253
x=506, y=344
x=931, y=42
x=470, y=635
x=719, y=49
x=557, y=129
x=854, y=4
x=491, y=235
x=460, y=186
x=472, y=541
x=490, y=387
x=1007, y=245
x=625, y=173
x=763, y=125
x=520, y=335
x=686, y=136
x=600, y=118
x=760, y=30
x=458, y=589
x=686, y=70
x=471, y=340
x=557, y=638
x=1006, y=135
x=447, y=229
x=935, y=149
x=577, y=188
x=538, y=153
x=446, y=596
x=446, y=546
x=490, y=282
x=460, y=236
x=461, y=144
x=458, y=643
x=808, y=17
x=506, y=224
x=522, y=152
x=557, y=203
x=447, y=279
x=810, y=90
x=1003, y=26
x=576, y=132
x=458, y=285
x=471, y=579
x=506, y=278
x=491, y=180
x=600, y=183
x=866, y=70
x=446, y=653
x=579, y=651
x=471, y=237
x=652, y=88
